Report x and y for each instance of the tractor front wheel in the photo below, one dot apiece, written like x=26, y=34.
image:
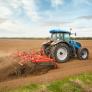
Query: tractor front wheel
x=61, y=53
x=83, y=53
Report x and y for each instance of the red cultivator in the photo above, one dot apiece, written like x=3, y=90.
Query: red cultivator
x=33, y=62
x=34, y=57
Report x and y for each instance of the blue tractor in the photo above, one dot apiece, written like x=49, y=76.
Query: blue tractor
x=61, y=47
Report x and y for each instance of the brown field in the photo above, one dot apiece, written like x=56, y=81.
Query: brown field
x=73, y=67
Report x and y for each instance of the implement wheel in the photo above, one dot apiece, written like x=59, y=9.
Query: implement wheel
x=83, y=53
x=61, y=53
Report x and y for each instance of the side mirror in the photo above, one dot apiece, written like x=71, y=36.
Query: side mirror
x=75, y=33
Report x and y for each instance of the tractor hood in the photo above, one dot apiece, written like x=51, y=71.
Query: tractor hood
x=75, y=44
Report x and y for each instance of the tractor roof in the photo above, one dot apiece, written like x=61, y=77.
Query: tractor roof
x=59, y=31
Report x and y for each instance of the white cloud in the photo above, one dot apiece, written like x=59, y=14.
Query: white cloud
x=30, y=8
x=7, y=8
x=15, y=3
x=11, y=26
x=78, y=2
x=11, y=7
x=56, y=3
x=2, y=20
x=13, y=29
x=4, y=12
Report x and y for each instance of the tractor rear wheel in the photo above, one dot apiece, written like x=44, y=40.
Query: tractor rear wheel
x=83, y=53
x=61, y=53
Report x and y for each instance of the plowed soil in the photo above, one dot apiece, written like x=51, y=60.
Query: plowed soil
x=72, y=67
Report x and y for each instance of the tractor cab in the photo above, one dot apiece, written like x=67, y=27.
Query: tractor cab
x=60, y=35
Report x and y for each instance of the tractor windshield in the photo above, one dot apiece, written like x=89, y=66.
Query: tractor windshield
x=60, y=36
x=66, y=37
x=57, y=36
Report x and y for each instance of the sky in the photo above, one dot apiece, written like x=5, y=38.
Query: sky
x=34, y=18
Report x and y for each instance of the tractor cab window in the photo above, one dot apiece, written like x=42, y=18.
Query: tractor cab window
x=53, y=36
x=57, y=36
x=61, y=36
x=66, y=37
